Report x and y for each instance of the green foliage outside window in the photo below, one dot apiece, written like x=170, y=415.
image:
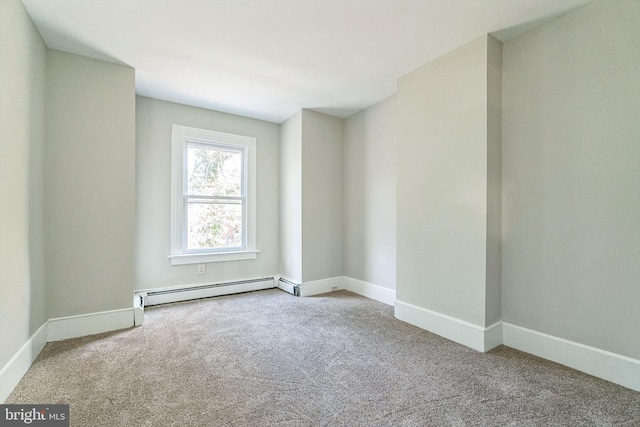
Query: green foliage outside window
x=214, y=209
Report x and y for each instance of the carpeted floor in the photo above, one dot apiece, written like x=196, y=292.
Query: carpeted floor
x=269, y=358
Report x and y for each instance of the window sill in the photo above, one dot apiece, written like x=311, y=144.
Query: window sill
x=184, y=259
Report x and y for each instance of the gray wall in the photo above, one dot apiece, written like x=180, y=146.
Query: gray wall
x=291, y=198
x=442, y=201
x=493, y=309
x=154, y=119
x=90, y=175
x=370, y=195
x=312, y=197
x=571, y=177
x=22, y=221
x=322, y=196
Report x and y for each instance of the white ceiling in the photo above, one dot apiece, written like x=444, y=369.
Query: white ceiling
x=269, y=58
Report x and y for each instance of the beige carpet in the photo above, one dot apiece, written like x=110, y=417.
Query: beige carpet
x=269, y=358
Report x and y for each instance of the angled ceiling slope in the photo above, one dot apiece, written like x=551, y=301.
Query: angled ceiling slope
x=267, y=59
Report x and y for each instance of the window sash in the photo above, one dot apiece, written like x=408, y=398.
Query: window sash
x=213, y=146
x=213, y=249
x=213, y=199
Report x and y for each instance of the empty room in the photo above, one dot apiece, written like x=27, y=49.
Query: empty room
x=304, y=213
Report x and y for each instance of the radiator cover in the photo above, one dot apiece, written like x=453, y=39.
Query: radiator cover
x=189, y=292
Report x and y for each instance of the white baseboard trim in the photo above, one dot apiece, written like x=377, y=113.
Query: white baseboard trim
x=493, y=336
x=322, y=286
x=603, y=364
x=55, y=330
x=19, y=364
x=138, y=316
x=62, y=328
x=479, y=338
x=360, y=287
x=369, y=290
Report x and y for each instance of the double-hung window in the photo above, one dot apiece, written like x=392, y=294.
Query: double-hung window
x=212, y=196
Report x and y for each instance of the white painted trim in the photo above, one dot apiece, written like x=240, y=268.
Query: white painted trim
x=212, y=135
x=19, y=364
x=321, y=286
x=285, y=286
x=204, y=290
x=138, y=316
x=138, y=308
x=180, y=137
x=277, y=277
x=603, y=364
x=184, y=259
x=476, y=337
x=62, y=328
x=493, y=336
x=144, y=292
x=369, y=290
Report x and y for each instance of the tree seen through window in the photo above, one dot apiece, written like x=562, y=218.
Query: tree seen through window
x=214, y=197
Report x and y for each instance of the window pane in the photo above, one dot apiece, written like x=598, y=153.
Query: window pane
x=214, y=225
x=212, y=172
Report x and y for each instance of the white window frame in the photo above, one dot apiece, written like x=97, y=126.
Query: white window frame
x=181, y=136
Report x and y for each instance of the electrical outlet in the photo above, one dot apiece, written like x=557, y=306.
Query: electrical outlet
x=202, y=268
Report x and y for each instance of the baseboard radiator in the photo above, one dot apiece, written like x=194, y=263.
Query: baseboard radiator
x=289, y=286
x=184, y=293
